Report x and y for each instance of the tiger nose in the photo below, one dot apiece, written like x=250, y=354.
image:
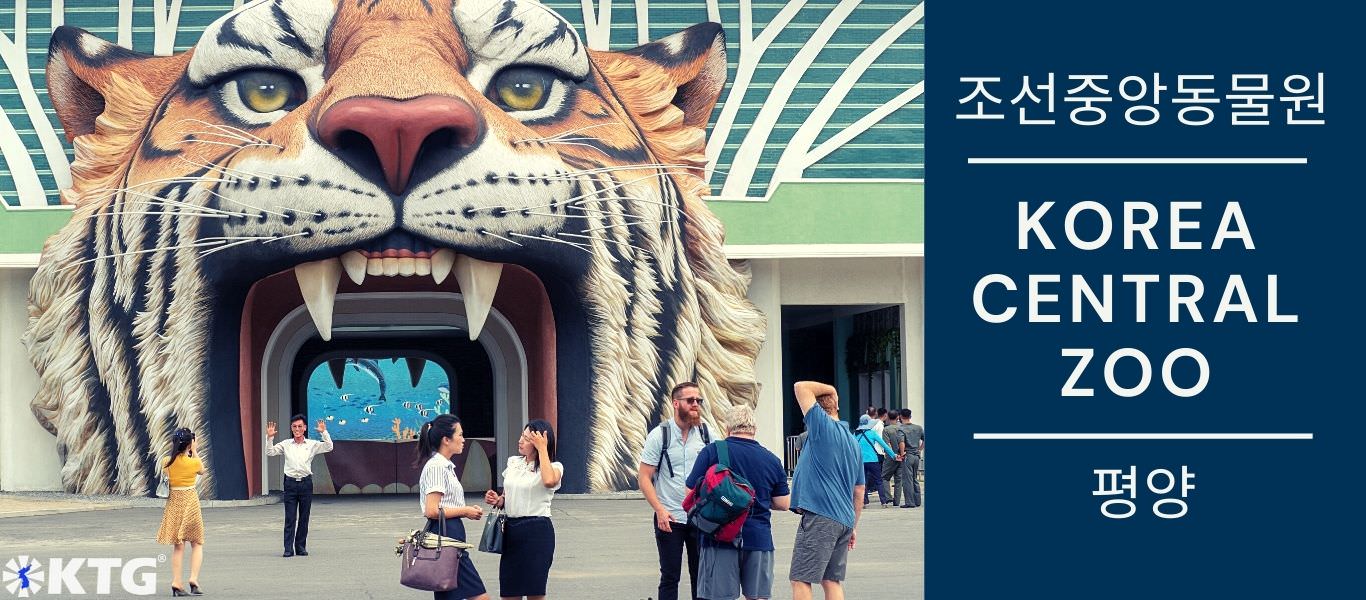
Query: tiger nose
x=420, y=135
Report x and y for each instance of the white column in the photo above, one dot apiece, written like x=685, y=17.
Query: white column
x=768, y=369
x=28, y=453
x=913, y=335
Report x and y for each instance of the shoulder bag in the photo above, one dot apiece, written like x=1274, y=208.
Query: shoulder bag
x=431, y=561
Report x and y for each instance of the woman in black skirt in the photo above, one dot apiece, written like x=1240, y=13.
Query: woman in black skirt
x=441, y=492
x=529, y=483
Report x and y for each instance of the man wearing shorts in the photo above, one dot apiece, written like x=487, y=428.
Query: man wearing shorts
x=827, y=490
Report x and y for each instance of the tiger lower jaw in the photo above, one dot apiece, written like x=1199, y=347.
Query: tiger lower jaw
x=318, y=281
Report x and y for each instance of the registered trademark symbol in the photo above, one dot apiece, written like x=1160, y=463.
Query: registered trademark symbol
x=161, y=558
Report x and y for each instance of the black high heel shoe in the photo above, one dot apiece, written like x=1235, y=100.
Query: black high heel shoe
x=194, y=590
x=175, y=591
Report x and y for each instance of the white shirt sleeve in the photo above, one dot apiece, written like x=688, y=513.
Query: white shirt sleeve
x=326, y=445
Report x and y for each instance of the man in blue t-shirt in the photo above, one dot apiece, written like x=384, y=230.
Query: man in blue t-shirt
x=725, y=571
x=827, y=490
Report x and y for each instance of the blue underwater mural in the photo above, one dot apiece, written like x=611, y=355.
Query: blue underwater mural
x=376, y=399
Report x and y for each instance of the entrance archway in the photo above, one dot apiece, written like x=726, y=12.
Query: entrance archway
x=389, y=315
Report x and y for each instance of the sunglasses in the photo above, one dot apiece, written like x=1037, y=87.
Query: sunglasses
x=694, y=401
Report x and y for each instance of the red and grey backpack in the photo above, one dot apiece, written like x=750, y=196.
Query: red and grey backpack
x=720, y=503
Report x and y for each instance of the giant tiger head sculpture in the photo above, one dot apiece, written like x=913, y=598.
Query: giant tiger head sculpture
x=318, y=135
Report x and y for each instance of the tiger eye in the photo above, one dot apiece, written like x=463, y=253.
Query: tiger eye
x=268, y=91
x=522, y=88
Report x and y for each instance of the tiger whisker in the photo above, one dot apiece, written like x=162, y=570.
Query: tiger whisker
x=561, y=134
x=292, y=235
x=553, y=142
x=231, y=136
x=204, y=253
x=237, y=130
x=639, y=167
x=578, y=203
x=487, y=232
x=249, y=239
x=115, y=191
x=586, y=128
x=556, y=240
x=158, y=200
x=602, y=239
x=239, y=147
x=224, y=168
x=163, y=213
x=197, y=244
x=602, y=227
x=274, y=177
x=608, y=189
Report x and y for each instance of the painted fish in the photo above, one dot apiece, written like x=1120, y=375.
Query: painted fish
x=370, y=410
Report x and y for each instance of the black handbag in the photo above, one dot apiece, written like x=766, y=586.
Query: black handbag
x=492, y=540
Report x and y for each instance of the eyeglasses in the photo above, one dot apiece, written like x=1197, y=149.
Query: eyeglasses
x=695, y=401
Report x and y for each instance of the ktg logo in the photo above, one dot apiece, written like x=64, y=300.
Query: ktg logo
x=25, y=577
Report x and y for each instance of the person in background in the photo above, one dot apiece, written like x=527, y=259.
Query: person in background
x=529, y=483
x=908, y=477
x=827, y=490
x=725, y=571
x=872, y=462
x=182, y=523
x=443, y=496
x=890, y=464
x=298, y=481
x=668, y=456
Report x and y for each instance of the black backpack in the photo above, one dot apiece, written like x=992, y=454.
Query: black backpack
x=664, y=449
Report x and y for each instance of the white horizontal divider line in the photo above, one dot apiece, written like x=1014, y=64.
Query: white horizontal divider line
x=1142, y=436
x=1135, y=161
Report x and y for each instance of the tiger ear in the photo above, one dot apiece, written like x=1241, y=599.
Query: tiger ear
x=86, y=73
x=689, y=67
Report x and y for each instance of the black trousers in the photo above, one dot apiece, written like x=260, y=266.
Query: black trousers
x=298, y=500
x=671, y=547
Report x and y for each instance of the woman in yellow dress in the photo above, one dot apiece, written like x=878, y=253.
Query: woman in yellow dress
x=182, y=523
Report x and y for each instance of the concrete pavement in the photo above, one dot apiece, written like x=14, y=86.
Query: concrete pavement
x=604, y=548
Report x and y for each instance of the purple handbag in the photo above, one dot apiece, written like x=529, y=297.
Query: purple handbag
x=428, y=562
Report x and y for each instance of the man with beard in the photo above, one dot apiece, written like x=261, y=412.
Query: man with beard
x=668, y=457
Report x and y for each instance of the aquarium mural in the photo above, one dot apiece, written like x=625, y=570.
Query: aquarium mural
x=385, y=398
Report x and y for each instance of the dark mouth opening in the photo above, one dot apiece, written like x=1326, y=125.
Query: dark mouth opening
x=541, y=307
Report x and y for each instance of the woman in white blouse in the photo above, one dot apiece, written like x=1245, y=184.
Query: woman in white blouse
x=440, y=439
x=529, y=483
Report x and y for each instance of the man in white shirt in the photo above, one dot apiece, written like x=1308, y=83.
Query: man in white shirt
x=298, y=483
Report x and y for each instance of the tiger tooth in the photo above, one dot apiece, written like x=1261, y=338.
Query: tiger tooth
x=442, y=261
x=478, y=283
x=407, y=266
x=423, y=267
x=390, y=266
x=355, y=263
x=374, y=266
x=318, y=282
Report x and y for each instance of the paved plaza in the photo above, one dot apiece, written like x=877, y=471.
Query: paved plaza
x=604, y=547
